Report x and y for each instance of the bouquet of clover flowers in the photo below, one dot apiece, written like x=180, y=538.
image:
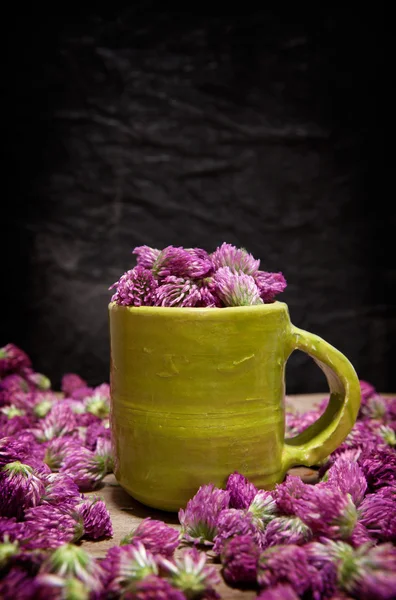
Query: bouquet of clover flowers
x=191, y=277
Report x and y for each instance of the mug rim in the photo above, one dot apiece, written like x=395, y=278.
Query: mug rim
x=272, y=307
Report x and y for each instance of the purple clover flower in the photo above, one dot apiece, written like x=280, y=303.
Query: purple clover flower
x=36, y=381
x=287, y=565
x=263, y=508
x=125, y=565
x=286, y=494
x=153, y=587
x=199, y=519
x=21, y=488
x=86, y=468
x=279, y=592
x=96, y=519
x=238, y=260
x=327, y=511
x=377, y=513
x=190, y=263
x=236, y=288
x=58, y=448
x=156, y=536
x=60, y=421
x=270, y=285
x=190, y=573
x=49, y=526
x=136, y=287
x=10, y=530
x=146, y=256
x=239, y=558
x=71, y=382
x=348, y=477
x=12, y=449
x=59, y=490
x=55, y=587
x=232, y=522
x=13, y=386
x=177, y=291
x=94, y=432
x=70, y=561
x=241, y=491
x=367, y=390
x=378, y=466
x=17, y=585
x=286, y=530
x=13, y=360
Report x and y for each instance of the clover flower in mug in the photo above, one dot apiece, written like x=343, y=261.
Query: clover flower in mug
x=241, y=490
x=199, y=519
x=13, y=360
x=270, y=285
x=238, y=260
x=190, y=573
x=191, y=263
x=20, y=488
x=239, y=559
x=146, y=256
x=136, y=287
x=156, y=536
x=235, y=288
x=178, y=291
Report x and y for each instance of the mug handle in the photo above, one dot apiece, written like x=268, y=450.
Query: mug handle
x=321, y=438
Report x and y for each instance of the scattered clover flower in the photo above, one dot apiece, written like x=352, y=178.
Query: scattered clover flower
x=236, y=289
x=72, y=562
x=287, y=492
x=124, y=565
x=71, y=382
x=54, y=587
x=231, y=522
x=388, y=435
x=49, y=526
x=239, y=558
x=327, y=511
x=96, y=519
x=59, y=489
x=199, y=519
x=136, y=287
x=379, y=467
x=86, y=468
x=279, y=592
x=156, y=536
x=58, y=449
x=242, y=491
x=348, y=477
x=94, y=433
x=153, y=587
x=13, y=360
x=286, y=530
x=7, y=551
x=287, y=564
x=377, y=513
x=21, y=489
x=60, y=421
x=17, y=584
x=190, y=573
x=263, y=508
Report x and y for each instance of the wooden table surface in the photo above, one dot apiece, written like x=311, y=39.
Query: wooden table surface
x=126, y=513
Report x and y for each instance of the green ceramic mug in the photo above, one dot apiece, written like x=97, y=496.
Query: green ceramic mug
x=197, y=394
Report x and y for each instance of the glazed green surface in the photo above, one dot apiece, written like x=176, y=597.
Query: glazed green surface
x=197, y=394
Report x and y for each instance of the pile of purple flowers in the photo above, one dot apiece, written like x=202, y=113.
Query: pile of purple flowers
x=333, y=540
x=177, y=276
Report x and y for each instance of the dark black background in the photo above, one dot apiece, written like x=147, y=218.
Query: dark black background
x=147, y=124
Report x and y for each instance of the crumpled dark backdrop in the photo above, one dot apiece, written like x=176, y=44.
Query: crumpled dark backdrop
x=148, y=125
